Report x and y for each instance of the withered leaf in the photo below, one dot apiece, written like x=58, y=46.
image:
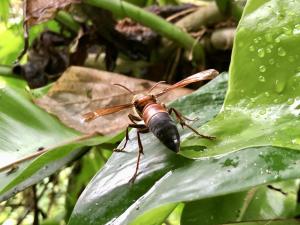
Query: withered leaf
x=38, y=11
x=80, y=90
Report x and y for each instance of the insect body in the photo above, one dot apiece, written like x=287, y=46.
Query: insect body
x=155, y=115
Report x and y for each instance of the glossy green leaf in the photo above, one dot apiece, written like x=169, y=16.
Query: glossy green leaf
x=257, y=130
x=269, y=222
x=25, y=128
x=262, y=103
x=4, y=10
x=267, y=202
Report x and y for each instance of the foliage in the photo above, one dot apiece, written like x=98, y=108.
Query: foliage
x=248, y=175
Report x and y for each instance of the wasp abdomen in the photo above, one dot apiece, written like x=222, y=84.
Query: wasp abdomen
x=164, y=128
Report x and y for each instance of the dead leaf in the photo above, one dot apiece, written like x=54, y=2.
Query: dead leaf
x=38, y=11
x=80, y=90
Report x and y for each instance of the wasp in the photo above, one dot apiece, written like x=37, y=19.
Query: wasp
x=154, y=115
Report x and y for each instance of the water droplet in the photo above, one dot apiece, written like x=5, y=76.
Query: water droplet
x=261, y=78
x=252, y=60
x=277, y=40
x=296, y=29
x=281, y=51
x=242, y=90
x=251, y=48
x=268, y=37
x=279, y=86
x=268, y=50
x=256, y=40
x=280, y=15
x=276, y=100
x=267, y=94
x=290, y=101
x=262, y=68
x=261, y=52
x=271, y=61
x=262, y=112
x=287, y=30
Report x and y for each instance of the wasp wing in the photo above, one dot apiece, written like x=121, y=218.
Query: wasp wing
x=105, y=111
x=204, y=75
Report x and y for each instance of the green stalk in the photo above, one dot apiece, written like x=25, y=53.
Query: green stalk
x=156, y=23
x=67, y=20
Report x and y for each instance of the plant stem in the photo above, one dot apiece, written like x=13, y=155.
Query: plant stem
x=67, y=20
x=158, y=24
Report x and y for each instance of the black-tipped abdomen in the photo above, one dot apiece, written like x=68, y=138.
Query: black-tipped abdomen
x=164, y=128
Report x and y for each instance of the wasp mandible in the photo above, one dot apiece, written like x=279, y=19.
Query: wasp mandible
x=155, y=115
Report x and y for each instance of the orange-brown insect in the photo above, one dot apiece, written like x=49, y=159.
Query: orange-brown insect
x=155, y=115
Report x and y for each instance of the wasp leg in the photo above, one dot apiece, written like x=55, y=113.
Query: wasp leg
x=181, y=118
x=139, y=126
x=140, y=152
x=134, y=118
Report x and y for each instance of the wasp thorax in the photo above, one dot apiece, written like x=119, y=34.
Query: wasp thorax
x=141, y=100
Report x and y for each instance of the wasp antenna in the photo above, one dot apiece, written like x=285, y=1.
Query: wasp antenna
x=155, y=85
x=126, y=88
x=89, y=116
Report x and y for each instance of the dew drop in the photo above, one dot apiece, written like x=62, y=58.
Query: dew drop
x=262, y=68
x=261, y=52
x=262, y=112
x=261, y=78
x=256, y=40
x=287, y=30
x=290, y=101
x=268, y=37
x=267, y=94
x=251, y=48
x=281, y=51
x=279, y=86
x=277, y=40
x=296, y=29
x=271, y=61
x=268, y=50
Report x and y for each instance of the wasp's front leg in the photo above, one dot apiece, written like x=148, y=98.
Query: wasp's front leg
x=181, y=121
x=133, y=119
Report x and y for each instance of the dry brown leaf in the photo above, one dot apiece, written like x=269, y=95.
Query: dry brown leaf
x=38, y=11
x=80, y=90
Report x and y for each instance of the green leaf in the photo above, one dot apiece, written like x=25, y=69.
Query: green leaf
x=267, y=202
x=262, y=103
x=268, y=222
x=25, y=128
x=4, y=10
